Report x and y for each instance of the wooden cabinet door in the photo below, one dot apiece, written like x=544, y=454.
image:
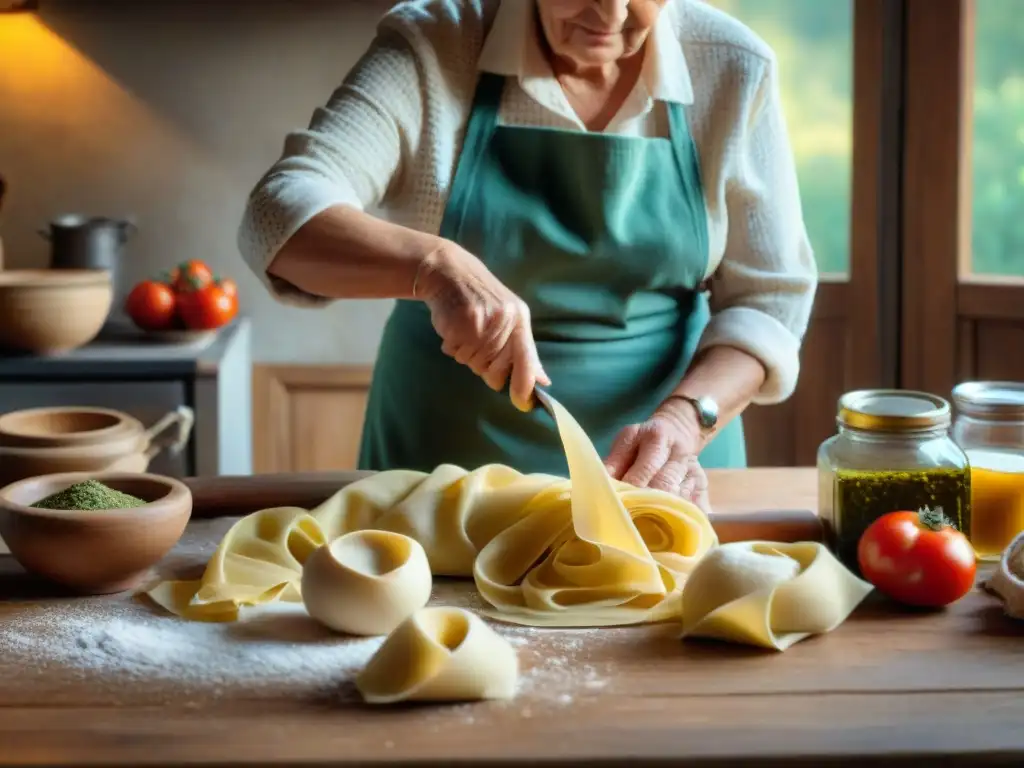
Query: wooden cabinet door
x=308, y=418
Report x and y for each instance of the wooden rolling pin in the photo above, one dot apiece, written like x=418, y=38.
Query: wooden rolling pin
x=228, y=496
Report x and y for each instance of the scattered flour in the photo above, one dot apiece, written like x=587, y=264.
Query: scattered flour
x=126, y=651
x=277, y=647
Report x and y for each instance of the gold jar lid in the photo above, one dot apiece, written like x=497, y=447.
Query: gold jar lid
x=893, y=410
x=991, y=400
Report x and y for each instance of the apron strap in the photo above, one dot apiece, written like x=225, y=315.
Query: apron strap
x=483, y=120
x=688, y=161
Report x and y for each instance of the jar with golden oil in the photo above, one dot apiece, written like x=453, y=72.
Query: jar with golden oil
x=892, y=452
x=989, y=426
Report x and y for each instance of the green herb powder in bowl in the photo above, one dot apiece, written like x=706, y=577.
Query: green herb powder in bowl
x=89, y=495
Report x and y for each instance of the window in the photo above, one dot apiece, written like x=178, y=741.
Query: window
x=813, y=41
x=997, y=144
x=824, y=47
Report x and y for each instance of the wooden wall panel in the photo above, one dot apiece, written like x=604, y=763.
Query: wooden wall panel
x=770, y=434
x=999, y=350
x=966, y=352
x=789, y=434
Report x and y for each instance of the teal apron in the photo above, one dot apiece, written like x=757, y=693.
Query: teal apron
x=605, y=238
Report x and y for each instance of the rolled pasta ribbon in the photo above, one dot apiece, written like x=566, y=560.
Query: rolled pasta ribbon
x=258, y=561
x=769, y=594
x=366, y=582
x=440, y=654
x=543, y=550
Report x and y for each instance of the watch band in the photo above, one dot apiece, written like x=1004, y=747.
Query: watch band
x=706, y=408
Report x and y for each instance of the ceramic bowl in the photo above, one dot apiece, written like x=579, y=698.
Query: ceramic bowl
x=179, y=337
x=49, y=311
x=66, y=427
x=94, y=552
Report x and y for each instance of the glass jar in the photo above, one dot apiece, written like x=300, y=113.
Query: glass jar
x=989, y=426
x=893, y=451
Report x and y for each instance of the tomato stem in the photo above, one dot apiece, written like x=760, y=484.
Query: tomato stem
x=934, y=519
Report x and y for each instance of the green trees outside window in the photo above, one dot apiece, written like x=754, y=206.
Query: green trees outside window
x=813, y=40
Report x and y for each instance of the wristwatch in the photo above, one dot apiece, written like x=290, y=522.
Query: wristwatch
x=706, y=408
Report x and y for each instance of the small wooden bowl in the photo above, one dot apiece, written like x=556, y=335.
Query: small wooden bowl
x=65, y=427
x=126, y=454
x=94, y=552
x=51, y=311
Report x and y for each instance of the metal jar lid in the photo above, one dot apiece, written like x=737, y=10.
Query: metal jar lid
x=893, y=410
x=992, y=400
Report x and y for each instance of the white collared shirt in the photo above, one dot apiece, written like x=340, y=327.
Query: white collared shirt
x=513, y=49
x=389, y=139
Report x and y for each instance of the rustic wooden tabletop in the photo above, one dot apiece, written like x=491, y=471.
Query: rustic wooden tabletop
x=106, y=681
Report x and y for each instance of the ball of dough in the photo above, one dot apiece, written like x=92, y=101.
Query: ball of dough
x=366, y=582
x=731, y=571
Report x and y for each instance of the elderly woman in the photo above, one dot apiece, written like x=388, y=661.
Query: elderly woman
x=592, y=195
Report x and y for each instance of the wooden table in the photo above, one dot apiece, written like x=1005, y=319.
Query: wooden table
x=888, y=687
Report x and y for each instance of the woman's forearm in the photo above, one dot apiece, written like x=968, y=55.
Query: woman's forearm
x=730, y=376
x=344, y=253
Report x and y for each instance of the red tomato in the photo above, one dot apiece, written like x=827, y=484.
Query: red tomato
x=207, y=308
x=227, y=285
x=917, y=558
x=190, y=276
x=151, y=306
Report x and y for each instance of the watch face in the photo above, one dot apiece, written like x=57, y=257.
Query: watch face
x=708, y=410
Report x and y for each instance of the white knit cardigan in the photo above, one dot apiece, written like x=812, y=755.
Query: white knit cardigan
x=389, y=138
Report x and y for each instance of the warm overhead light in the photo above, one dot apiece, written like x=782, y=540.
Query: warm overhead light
x=18, y=6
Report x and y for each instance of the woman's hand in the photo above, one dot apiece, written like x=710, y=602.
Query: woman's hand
x=482, y=324
x=662, y=453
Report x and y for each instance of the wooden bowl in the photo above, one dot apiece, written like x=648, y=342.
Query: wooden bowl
x=65, y=427
x=94, y=552
x=128, y=447
x=49, y=311
x=126, y=454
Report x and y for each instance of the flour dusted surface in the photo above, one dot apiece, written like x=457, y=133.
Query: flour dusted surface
x=121, y=652
x=108, y=651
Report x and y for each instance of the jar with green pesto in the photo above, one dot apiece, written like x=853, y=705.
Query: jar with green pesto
x=893, y=451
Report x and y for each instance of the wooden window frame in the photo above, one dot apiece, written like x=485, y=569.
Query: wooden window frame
x=936, y=218
x=946, y=309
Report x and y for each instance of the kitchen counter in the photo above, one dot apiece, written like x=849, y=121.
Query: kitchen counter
x=888, y=687
x=124, y=352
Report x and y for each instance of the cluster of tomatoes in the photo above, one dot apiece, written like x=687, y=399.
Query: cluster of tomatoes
x=188, y=298
x=917, y=558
